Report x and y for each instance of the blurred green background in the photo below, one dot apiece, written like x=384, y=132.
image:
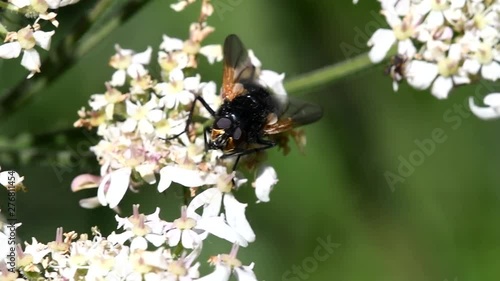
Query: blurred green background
x=438, y=223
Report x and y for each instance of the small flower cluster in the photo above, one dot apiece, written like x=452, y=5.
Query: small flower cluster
x=444, y=43
x=147, y=248
x=137, y=113
x=30, y=36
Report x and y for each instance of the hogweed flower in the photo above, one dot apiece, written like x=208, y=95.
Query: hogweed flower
x=134, y=119
x=444, y=43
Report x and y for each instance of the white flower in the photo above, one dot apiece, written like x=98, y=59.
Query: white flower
x=212, y=200
x=11, y=179
x=128, y=62
x=402, y=31
x=178, y=90
x=140, y=230
x=25, y=40
x=226, y=264
x=113, y=187
x=142, y=117
x=492, y=111
x=485, y=58
x=264, y=182
x=191, y=229
x=444, y=74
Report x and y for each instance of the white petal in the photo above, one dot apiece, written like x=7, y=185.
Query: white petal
x=179, y=6
x=129, y=125
x=455, y=52
x=20, y=3
x=118, y=78
x=155, y=239
x=211, y=199
x=442, y=87
x=119, y=183
x=144, y=57
x=266, y=179
x=190, y=239
x=173, y=237
x=102, y=189
x=485, y=113
x=273, y=81
x=31, y=60
x=407, y=48
x=183, y=176
x=212, y=52
x=491, y=71
x=235, y=216
x=176, y=75
x=421, y=74
x=145, y=127
x=155, y=115
x=221, y=273
x=89, y=203
x=147, y=172
x=218, y=227
x=492, y=99
x=136, y=70
x=120, y=238
x=435, y=19
x=54, y=4
x=43, y=38
x=10, y=50
x=138, y=242
x=171, y=44
x=192, y=83
x=471, y=66
x=381, y=41
x=245, y=273
x=254, y=60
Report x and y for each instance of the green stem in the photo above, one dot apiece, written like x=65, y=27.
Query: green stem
x=330, y=74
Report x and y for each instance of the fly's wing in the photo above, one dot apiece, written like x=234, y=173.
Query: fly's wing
x=237, y=67
x=292, y=113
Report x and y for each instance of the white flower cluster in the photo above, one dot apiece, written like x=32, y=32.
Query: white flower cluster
x=444, y=43
x=30, y=36
x=147, y=248
x=135, y=118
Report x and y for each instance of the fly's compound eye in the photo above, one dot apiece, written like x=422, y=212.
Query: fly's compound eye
x=223, y=123
x=237, y=133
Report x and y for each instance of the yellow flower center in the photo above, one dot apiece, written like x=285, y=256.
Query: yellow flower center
x=484, y=54
x=480, y=21
x=447, y=67
x=439, y=5
x=40, y=6
x=25, y=38
x=186, y=223
x=191, y=48
x=120, y=62
x=141, y=113
x=403, y=31
x=231, y=261
x=177, y=268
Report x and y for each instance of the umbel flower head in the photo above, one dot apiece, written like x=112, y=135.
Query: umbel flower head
x=134, y=117
x=444, y=43
x=146, y=248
